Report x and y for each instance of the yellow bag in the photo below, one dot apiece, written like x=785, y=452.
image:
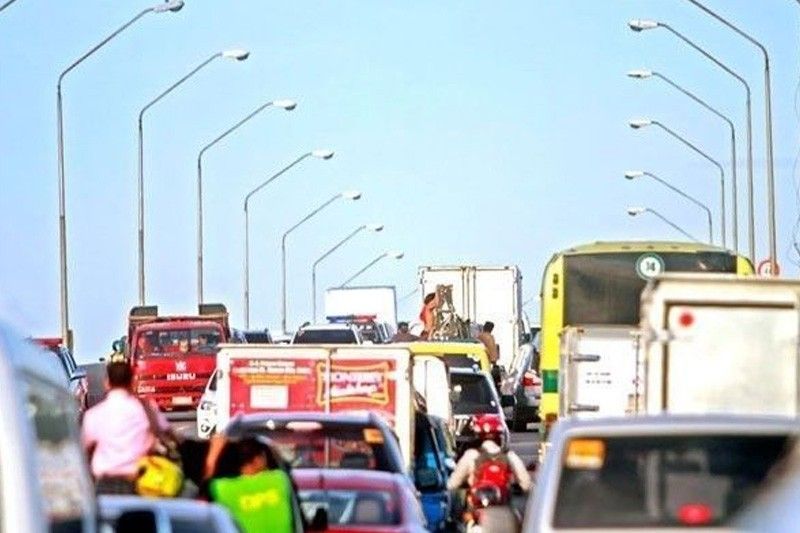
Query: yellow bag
x=159, y=477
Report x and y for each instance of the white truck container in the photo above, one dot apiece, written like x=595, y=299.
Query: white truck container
x=379, y=301
x=719, y=343
x=601, y=371
x=381, y=379
x=481, y=294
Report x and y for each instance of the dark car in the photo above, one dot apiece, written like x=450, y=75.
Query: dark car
x=472, y=393
x=258, y=336
x=78, y=382
x=359, y=501
x=357, y=441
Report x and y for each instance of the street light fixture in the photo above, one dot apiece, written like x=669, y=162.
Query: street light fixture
x=636, y=211
x=640, y=123
x=173, y=6
x=2, y=7
x=638, y=26
x=368, y=227
x=323, y=154
x=391, y=254
x=347, y=195
x=773, y=252
x=287, y=105
x=238, y=55
x=634, y=174
x=646, y=74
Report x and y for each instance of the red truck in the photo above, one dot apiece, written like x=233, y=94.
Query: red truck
x=174, y=356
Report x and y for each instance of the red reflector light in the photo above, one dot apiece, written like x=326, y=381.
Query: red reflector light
x=686, y=319
x=695, y=514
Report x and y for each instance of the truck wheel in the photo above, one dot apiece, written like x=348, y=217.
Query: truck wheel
x=518, y=422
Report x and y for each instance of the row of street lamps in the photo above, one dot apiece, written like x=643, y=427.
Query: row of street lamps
x=642, y=25
x=287, y=105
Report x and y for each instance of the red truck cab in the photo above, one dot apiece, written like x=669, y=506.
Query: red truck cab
x=174, y=356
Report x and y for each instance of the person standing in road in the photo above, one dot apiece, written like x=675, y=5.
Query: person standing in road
x=403, y=335
x=116, y=433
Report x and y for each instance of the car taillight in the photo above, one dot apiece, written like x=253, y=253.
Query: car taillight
x=695, y=514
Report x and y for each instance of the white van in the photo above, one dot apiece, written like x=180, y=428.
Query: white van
x=44, y=480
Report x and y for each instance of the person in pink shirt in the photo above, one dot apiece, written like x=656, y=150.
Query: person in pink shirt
x=119, y=431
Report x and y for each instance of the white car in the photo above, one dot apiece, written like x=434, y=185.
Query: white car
x=328, y=334
x=656, y=472
x=207, y=409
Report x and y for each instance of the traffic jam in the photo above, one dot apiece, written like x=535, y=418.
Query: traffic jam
x=607, y=384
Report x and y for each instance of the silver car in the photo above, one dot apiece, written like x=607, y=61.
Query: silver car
x=173, y=515
x=655, y=472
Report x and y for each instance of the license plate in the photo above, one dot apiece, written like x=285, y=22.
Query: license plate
x=181, y=400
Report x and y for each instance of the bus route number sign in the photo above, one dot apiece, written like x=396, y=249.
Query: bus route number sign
x=649, y=266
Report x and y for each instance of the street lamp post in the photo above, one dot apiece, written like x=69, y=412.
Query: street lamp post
x=641, y=123
x=173, y=6
x=636, y=211
x=320, y=154
x=393, y=255
x=371, y=227
x=2, y=7
x=238, y=55
x=348, y=195
x=287, y=105
x=644, y=74
x=641, y=25
x=633, y=174
x=768, y=115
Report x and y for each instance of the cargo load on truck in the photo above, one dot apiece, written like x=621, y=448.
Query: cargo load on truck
x=718, y=343
x=601, y=371
x=483, y=294
x=173, y=357
x=384, y=380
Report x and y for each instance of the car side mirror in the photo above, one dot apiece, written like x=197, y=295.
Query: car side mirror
x=320, y=520
x=427, y=479
x=137, y=521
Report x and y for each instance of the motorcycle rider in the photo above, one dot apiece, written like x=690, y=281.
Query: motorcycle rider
x=490, y=446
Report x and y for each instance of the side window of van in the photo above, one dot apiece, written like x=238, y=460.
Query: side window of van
x=66, y=491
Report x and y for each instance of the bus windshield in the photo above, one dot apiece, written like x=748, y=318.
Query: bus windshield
x=605, y=288
x=174, y=342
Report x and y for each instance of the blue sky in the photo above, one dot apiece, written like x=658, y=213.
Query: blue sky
x=479, y=132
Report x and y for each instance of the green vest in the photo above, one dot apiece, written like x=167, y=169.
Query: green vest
x=261, y=502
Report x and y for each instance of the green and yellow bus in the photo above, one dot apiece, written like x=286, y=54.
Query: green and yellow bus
x=601, y=284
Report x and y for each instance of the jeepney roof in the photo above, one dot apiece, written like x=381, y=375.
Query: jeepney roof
x=445, y=347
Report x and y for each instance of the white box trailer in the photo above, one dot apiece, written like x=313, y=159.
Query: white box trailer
x=718, y=343
x=481, y=294
x=329, y=379
x=602, y=371
x=378, y=301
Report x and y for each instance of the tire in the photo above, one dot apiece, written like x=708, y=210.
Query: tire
x=518, y=422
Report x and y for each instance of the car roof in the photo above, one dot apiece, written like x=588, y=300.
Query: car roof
x=660, y=424
x=447, y=347
x=344, y=479
x=24, y=355
x=326, y=326
x=114, y=505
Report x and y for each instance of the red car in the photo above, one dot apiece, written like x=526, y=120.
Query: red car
x=358, y=501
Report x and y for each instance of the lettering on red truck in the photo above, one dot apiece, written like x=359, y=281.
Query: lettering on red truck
x=367, y=383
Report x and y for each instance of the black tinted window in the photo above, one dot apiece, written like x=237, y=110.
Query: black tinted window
x=648, y=482
x=473, y=394
x=325, y=336
x=605, y=288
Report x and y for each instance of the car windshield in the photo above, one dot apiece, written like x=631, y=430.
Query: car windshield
x=172, y=342
x=353, y=446
x=352, y=507
x=663, y=481
x=325, y=336
x=258, y=337
x=472, y=394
